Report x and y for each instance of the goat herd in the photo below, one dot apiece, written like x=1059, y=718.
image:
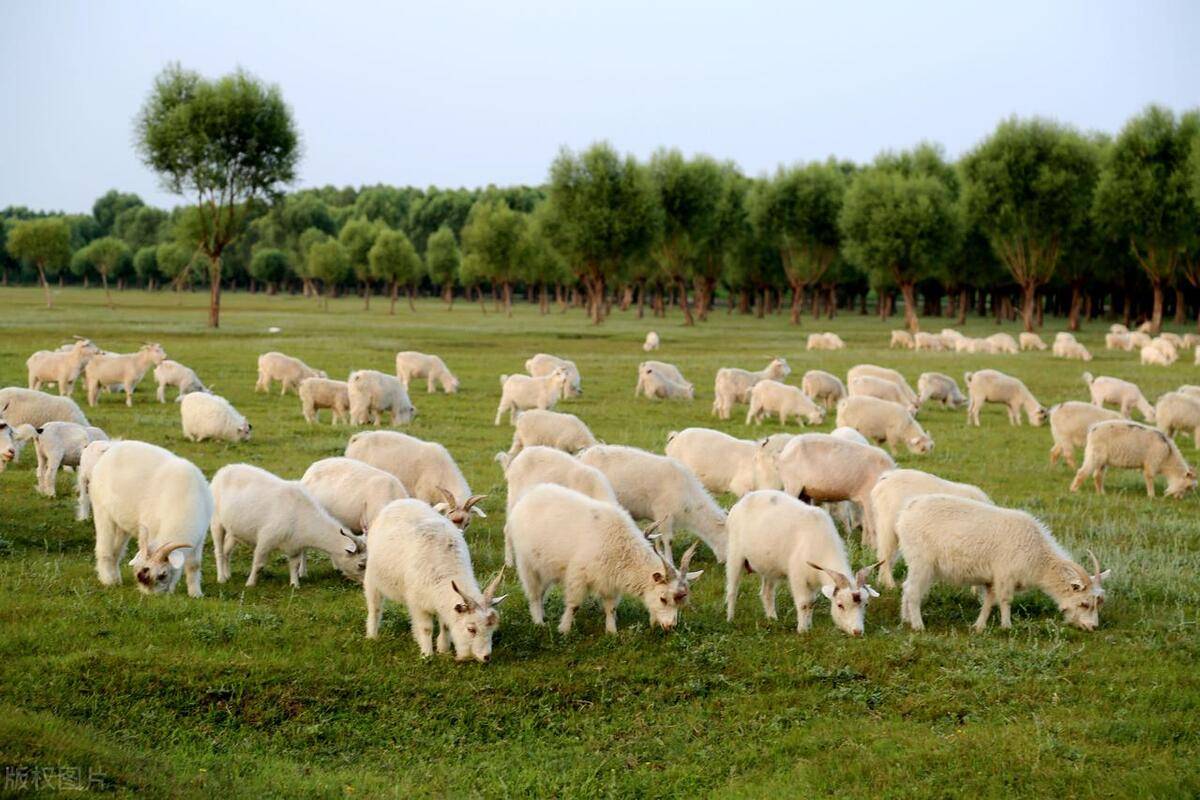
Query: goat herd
x=572, y=501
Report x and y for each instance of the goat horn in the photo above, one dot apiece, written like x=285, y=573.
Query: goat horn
x=492, y=586
x=653, y=527
x=839, y=580
x=449, y=497
x=860, y=577
x=1095, y=562
x=472, y=500
x=687, y=557
x=470, y=603
x=161, y=553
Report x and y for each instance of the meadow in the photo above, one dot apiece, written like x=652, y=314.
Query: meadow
x=272, y=691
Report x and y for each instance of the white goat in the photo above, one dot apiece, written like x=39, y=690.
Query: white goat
x=420, y=559
x=652, y=342
x=61, y=444
x=823, y=387
x=83, y=476
x=993, y=386
x=1069, y=423
x=733, y=385
x=660, y=488
x=1031, y=341
x=725, y=464
x=824, y=341
x=138, y=489
x=939, y=387
x=61, y=367
x=1126, y=444
x=269, y=514
x=781, y=538
x=172, y=373
x=901, y=339
x=372, y=392
x=126, y=369
x=1003, y=343
x=969, y=543
x=1178, y=411
x=318, y=393
x=1069, y=348
x=657, y=386
x=426, y=469
x=565, y=432
x=411, y=364
x=870, y=386
x=1121, y=393
x=521, y=392
x=884, y=373
x=891, y=492
x=352, y=491
x=28, y=407
x=770, y=397
x=288, y=370
x=543, y=365
x=560, y=536
x=210, y=416
x=884, y=421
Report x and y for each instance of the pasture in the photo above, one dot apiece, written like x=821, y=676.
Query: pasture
x=272, y=691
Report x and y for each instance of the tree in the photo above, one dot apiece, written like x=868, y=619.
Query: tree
x=1029, y=186
x=721, y=238
x=1143, y=196
x=442, y=258
x=140, y=226
x=394, y=260
x=797, y=211
x=106, y=255
x=227, y=142
x=44, y=243
x=174, y=262
x=109, y=206
x=493, y=235
x=270, y=266
x=541, y=263
x=899, y=222
x=358, y=237
x=687, y=194
x=145, y=265
x=328, y=263
x=604, y=213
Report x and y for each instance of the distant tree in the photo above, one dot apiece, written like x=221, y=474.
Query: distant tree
x=270, y=266
x=44, y=243
x=394, y=261
x=358, y=237
x=1191, y=256
x=716, y=247
x=228, y=143
x=442, y=258
x=605, y=212
x=328, y=263
x=541, y=263
x=304, y=243
x=435, y=208
x=109, y=206
x=1144, y=198
x=145, y=266
x=494, y=235
x=797, y=211
x=899, y=220
x=174, y=260
x=385, y=204
x=1030, y=185
x=686, y=193
x=106, y=255
x=140, y=226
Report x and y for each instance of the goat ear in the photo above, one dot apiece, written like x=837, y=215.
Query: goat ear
x=441, y=508
x=175, y=558
x=658, y=577
x=349, y=545
x=496, y=600
x=1105, y=575
x=827, y=590
x=691, y=576
x=870, y=590
x=479, y=511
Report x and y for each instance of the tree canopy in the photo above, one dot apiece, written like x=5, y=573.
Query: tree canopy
x=44, y=243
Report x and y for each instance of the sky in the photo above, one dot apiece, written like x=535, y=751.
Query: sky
x=470, y=94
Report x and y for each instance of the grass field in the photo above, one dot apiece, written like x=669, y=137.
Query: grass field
x=270, y=692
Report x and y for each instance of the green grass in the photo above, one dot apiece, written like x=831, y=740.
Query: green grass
x=275, y=692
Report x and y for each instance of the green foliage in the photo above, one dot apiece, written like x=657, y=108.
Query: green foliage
x=328, y=263
x=687, y=194
x=442, y=256
x=269, y=265
x=225, y=142
x=145, y=263
x=111, y=205
x=106, y=254
x=1145, y=192
x=493, y=236
x=358, y=237
x=437, y=208
x=44, y=243
x=173, y=260
x=604, y=214
x=140, y=226
x=1029, y=188
x=541, y=263
x=394, y=260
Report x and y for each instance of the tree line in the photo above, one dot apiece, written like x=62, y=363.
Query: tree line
x=1037, y=218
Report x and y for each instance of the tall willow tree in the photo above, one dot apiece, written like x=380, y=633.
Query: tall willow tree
x=797, y=211
x=45, y=243
x=226, y=143
x=494, y=236
x=604, y=216
x=1144, y=200
x=1029, y=186
x=442, y=258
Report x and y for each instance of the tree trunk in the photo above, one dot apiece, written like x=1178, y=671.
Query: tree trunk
x=1028, y=296
x=544, y=299
x=482, y=299
x=963, y=303
x=683, y=303
x=626, y=296
x=214, y=291
x=1076, y=306
x=448, y=295
x=507, y=287
x=45, y=286
x=1157, y=315
x=366, y=296
x=797, y=299
x=641, y=300
x=908, y=289
x=107, y=293
x=1180, y=307
x=395, y=293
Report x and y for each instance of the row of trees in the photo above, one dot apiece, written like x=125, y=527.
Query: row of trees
x=1038, y=212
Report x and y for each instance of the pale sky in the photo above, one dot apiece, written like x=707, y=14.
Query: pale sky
x=466, y=94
